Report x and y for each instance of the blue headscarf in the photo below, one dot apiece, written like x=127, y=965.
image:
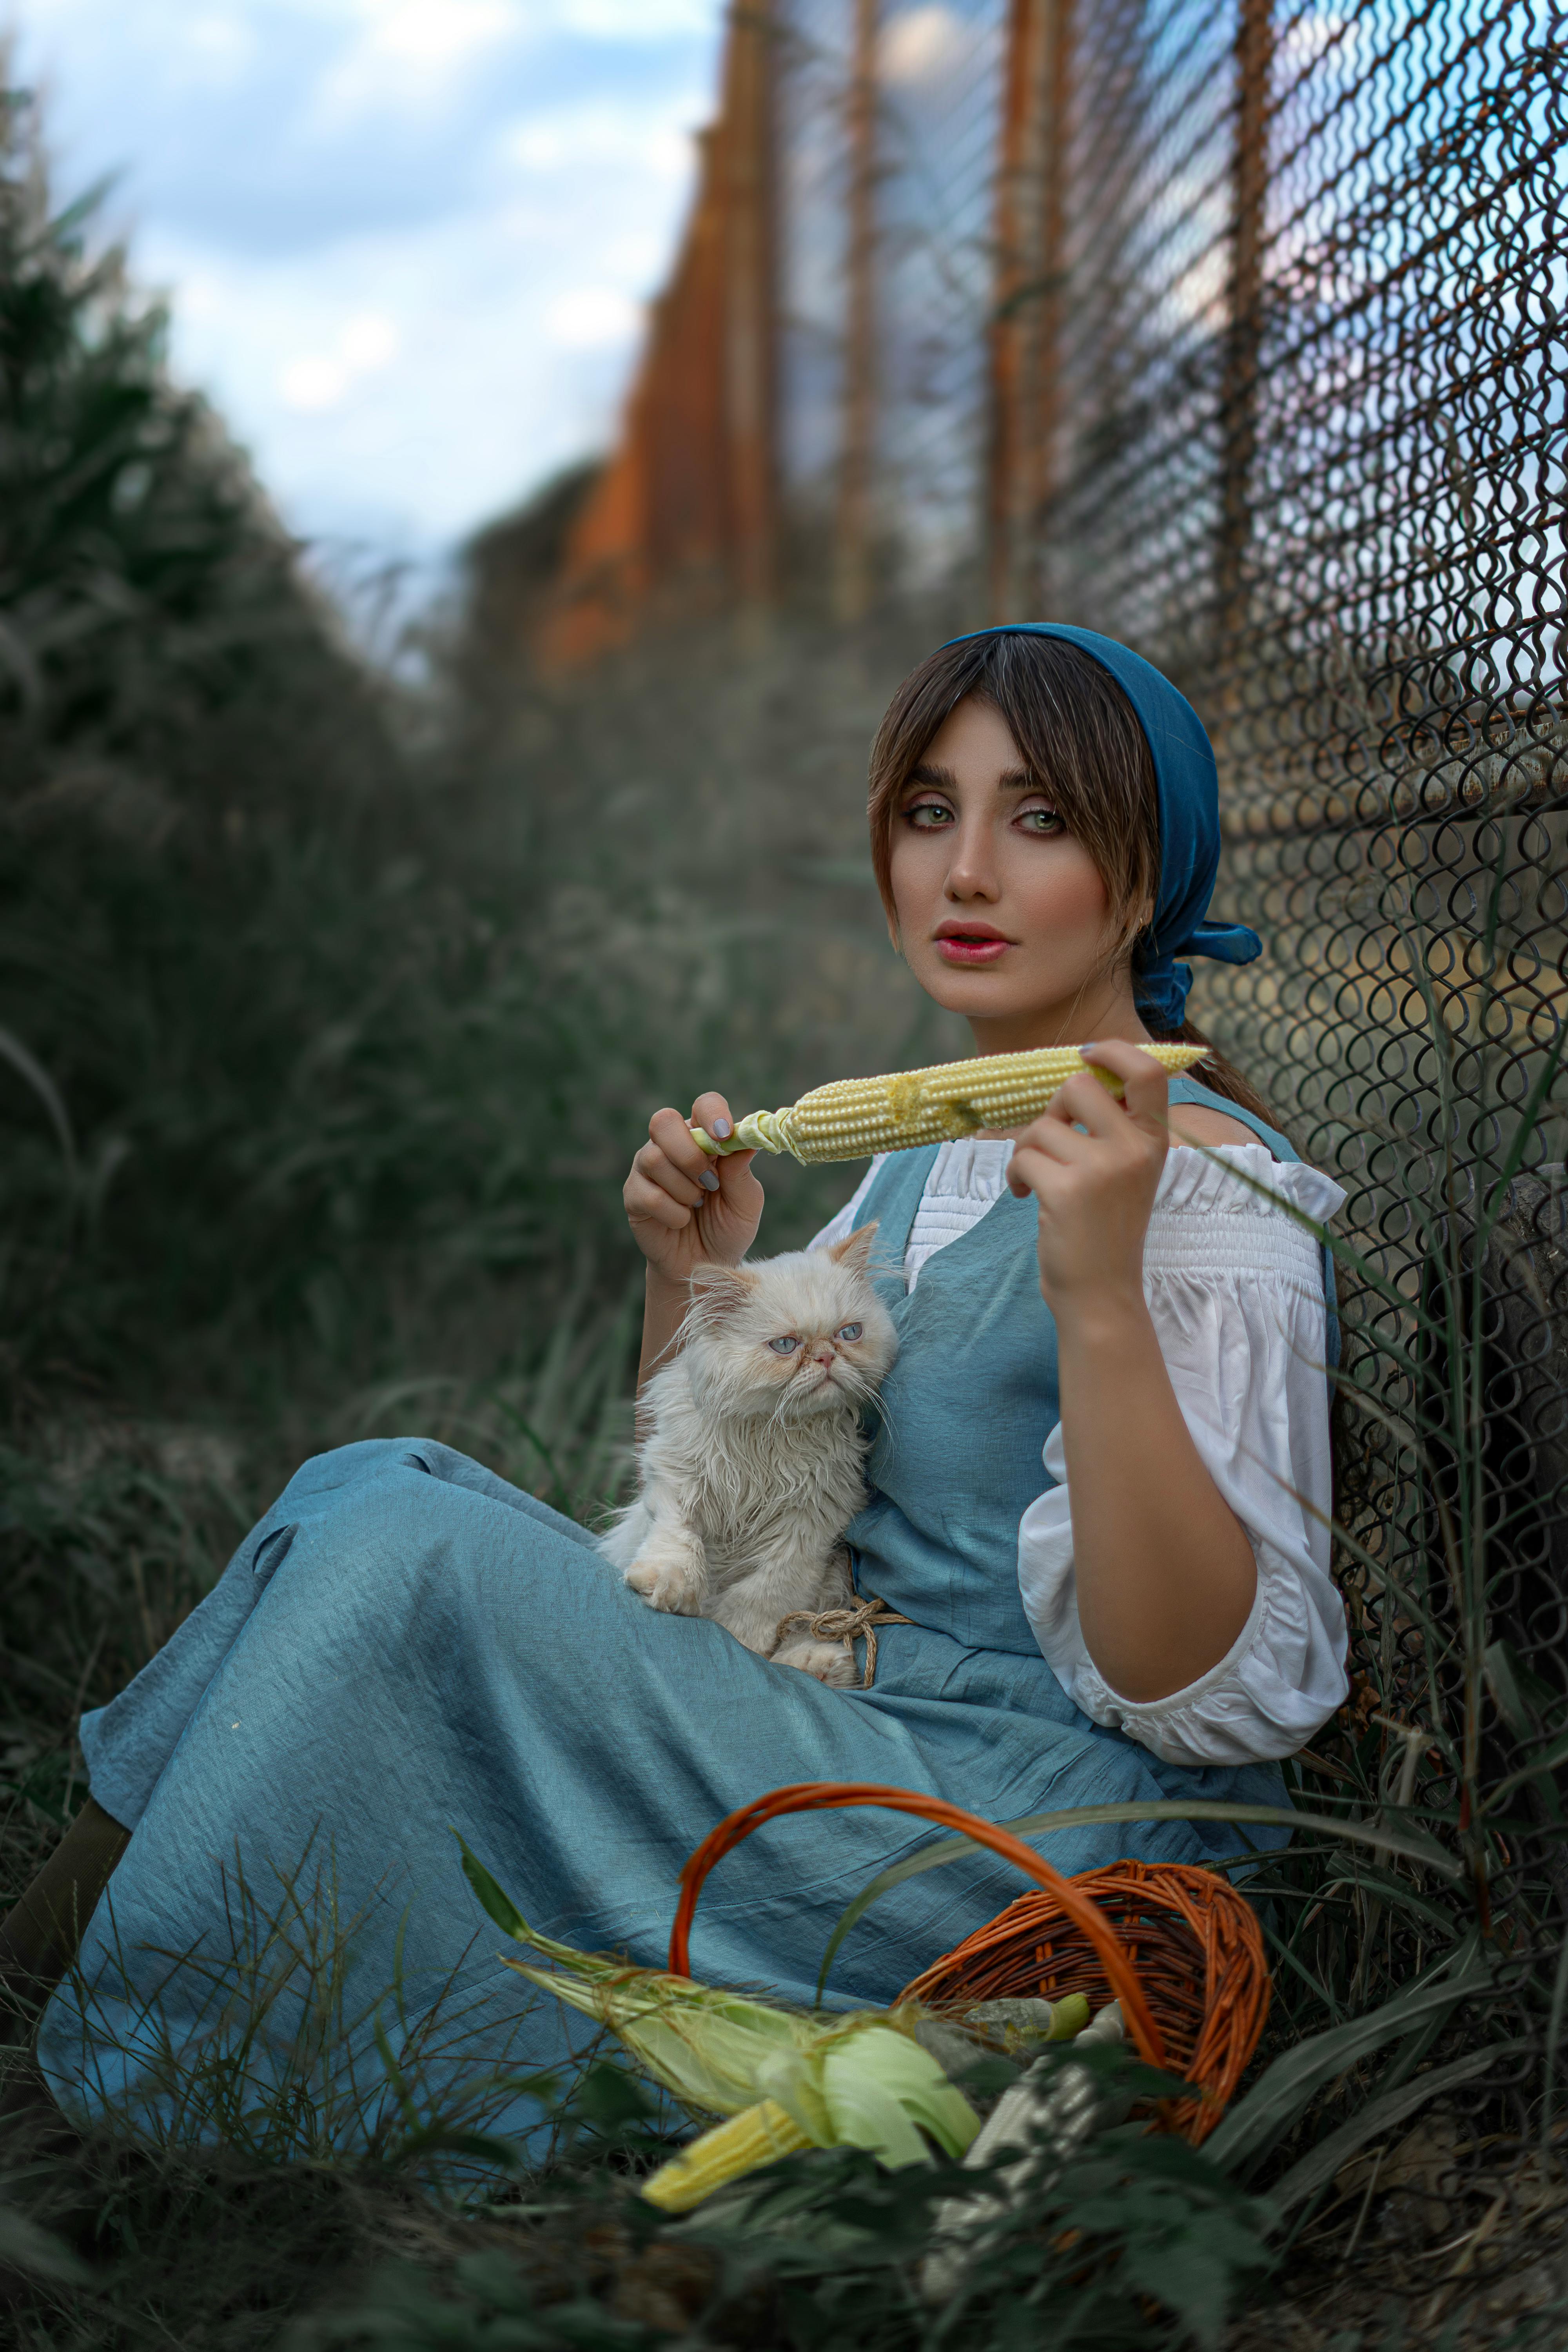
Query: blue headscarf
x=1189, y=823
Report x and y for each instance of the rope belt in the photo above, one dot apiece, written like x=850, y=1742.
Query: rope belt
x=847, y=1626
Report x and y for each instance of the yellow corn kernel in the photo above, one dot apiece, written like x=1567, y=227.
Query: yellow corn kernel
x=851, y=1119
x=738, y=2145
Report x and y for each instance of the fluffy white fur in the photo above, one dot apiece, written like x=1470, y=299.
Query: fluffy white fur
x=752, y=1462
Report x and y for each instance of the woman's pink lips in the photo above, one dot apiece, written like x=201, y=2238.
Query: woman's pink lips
x=964, y=949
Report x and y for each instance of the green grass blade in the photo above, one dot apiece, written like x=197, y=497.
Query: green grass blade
x=28, y=1067
x=499, y=1904
x=1260, y=2120
x=1380, y=2114
x=1412, y=1844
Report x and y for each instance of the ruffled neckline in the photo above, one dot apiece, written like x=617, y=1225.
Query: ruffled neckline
x=1216, y=1179
x=1220, y=1180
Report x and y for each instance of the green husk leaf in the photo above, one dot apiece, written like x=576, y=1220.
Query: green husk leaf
x=792, y=2082
x=702, y=2045
x=908, y=2072
x=864, y=2108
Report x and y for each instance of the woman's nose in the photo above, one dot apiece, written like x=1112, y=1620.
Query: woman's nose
x=973, y=873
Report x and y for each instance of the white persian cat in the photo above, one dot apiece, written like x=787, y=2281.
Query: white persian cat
x=751, y=1461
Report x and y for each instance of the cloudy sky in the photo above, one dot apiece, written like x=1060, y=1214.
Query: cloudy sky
x=405, y=241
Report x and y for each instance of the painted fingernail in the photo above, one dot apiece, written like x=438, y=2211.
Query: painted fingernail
x=720, y=1129
x=1090, y=1048
x=709, y=1180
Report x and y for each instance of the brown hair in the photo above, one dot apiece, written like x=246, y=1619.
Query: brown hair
x=1080, y=737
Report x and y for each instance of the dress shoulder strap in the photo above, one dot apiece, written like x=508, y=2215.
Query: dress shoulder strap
x=1188, y=1090
x=895, y=1195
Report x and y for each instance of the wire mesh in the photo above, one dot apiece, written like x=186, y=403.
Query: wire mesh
x=1299, y=435
x=938, y=72
x=1312, y=462
x=940, y=80
x=812, y=73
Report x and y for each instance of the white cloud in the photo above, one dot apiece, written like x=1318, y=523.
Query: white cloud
x=366, y=342
x=219, y=47
x=632, y=20
x=314, y=381
x=591, y=319
x=923, y=44
x=511, y=359
x=408, y=54
x=619, y=134
x=407, y=244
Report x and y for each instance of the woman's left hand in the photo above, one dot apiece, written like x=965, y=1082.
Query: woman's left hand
x=1096, y=1190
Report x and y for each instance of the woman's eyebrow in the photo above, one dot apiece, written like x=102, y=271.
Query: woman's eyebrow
x=1012, y=780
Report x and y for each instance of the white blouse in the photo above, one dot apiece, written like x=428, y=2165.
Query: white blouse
x=1236, y=1292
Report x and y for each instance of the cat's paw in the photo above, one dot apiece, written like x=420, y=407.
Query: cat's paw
x=831, y=1662
x=673, y=1584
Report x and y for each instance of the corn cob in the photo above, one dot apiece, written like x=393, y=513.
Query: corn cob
x=864, y=2079
x=732, y=2148
x=853, y=1118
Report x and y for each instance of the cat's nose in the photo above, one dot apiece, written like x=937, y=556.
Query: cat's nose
x=825, y=1355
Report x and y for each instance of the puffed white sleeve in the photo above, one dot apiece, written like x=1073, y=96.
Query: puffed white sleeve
x=839, y=1228
x=1235, y=1289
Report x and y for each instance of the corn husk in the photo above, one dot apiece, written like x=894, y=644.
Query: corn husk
x=859, y=2080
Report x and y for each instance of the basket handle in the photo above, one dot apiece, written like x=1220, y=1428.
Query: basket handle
x=815, y=1796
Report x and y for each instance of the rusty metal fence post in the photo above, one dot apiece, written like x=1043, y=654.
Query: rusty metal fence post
x=1025, y=410
x=852, y=550
x=751, y=306
x=1244, y=333
x=1014, y=331
x=1045, y=448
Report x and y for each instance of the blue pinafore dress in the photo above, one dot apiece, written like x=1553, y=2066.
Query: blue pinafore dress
x=407, y=1647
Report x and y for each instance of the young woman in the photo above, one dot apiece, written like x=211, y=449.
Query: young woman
x=1098, y=1495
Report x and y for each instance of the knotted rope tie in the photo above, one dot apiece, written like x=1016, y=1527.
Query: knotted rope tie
x=847, y=1626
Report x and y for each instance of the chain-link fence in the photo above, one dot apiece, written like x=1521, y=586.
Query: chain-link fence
x=887, y=167
x=1236, y=330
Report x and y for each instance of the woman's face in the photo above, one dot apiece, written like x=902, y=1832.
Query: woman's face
x=1002, y=916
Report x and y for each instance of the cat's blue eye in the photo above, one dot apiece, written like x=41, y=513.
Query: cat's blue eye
x=849, y=1330
x=784, y=1347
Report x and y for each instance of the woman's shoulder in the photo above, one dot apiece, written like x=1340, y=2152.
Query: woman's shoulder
x=1196, y=1123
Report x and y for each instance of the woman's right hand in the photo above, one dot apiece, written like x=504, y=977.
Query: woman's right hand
x=685, y=1209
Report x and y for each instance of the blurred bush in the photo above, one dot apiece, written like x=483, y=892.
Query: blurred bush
x=332, y=1007
x=186, y=755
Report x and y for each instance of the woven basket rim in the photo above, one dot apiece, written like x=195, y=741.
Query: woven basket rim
x=1212, y=2033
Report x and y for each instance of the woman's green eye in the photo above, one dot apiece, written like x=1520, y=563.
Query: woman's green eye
x=928, y=814
x=1042, y=820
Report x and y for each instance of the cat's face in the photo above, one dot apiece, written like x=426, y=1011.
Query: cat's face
x=792, y=1336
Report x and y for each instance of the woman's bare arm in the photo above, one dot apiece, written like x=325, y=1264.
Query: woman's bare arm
x=1165, y=1570
x=686, y=1210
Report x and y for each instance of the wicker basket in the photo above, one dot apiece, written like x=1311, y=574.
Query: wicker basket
x=1193, y=1939
x=1178, y=1949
